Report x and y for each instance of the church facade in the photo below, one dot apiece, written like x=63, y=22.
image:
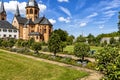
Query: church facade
x=32, y=26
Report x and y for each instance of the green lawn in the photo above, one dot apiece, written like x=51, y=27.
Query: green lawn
x=15, y=67
x=71, y=48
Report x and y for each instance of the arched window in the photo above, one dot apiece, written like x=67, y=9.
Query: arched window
x=35, y=11
x=3, y=19
x=31, y=11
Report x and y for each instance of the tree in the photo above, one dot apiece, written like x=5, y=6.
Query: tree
x=54, y=43
x=81, y=50
x=70, y=39
x=91, y=39
x=63, y=45
x=36, y=46
x=112, y=40
x=108, y=62
x=81, y=39
x=62, y=34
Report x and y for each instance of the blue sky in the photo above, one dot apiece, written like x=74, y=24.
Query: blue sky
x=75, y=16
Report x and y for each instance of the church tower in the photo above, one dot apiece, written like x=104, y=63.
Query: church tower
x=32, y=10
x=17, y=11
x=2, y=11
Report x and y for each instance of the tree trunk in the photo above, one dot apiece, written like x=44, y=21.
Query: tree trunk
x=55, y=53
x=82, y=58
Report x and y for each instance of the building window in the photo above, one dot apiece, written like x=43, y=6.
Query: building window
x=3, y=19
x=44, y=30
x=14, y=36
x=10, y=30
x=49, y=31
x=31, y=11
x=4, y=30
x=36, y=37
x=35, y=11
x=32, y=30
x=4, y=35
x=31, y=26
x=10, y=36
x=15, y=30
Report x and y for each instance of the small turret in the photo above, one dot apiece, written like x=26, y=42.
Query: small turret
x=17, y=11
x=2, y=11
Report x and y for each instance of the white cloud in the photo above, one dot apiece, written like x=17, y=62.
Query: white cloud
x=52, y=21
x=65, y=10
x=92, y=15
x=109, y=13
x=82, y=24
x=101, y=26
x=62, y=19
x=11, y=6
x=63, y=0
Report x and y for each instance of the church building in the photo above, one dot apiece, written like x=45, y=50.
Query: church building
x=32, y=26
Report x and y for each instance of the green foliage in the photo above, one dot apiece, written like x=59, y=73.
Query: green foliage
x=5, y=43
x=112, y=41
x=107, y=62
x=36, y=46
x=19, y=43
x=30, y=41
x=1, y=41
x=63, y=45
x=81, y=39
x=91, y=39
x=62, y=34
x=70, y=40
x=81, y=50
x=54, y=43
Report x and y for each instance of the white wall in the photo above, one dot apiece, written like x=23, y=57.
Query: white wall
x=9, y=33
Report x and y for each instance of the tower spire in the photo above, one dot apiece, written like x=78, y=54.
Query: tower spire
x=2, y=9
x=17, y=11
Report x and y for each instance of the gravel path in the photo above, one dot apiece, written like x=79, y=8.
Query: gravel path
x=94, y=75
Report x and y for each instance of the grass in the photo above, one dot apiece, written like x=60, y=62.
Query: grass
x=14, y=67
x=70, y=48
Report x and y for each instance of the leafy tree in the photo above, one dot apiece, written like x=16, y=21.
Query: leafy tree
x=81, y=50
x=62, y=34
x=70, y=39
x=81, y=39
x=63, y=45
x=36, y=46
x=112, y=41
x=108, y=62
x=91, y=39
x=54, y=43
